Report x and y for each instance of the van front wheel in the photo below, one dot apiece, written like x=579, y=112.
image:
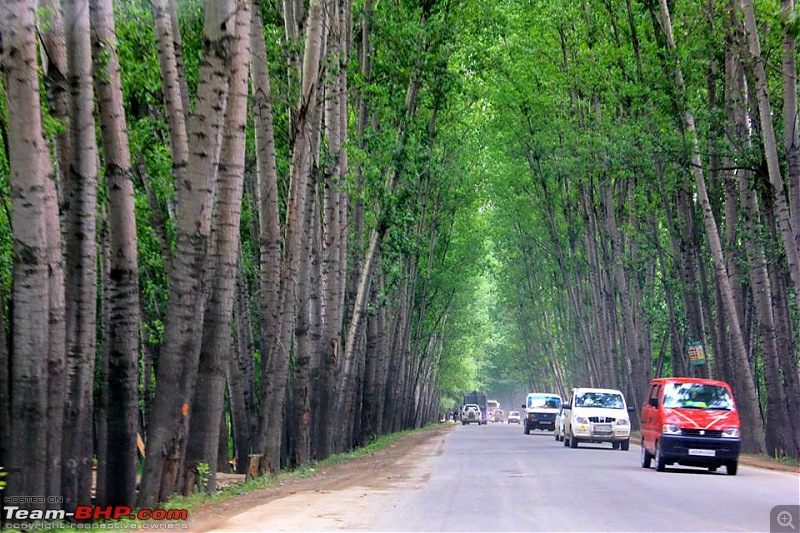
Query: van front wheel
x=661, y=464
x=625, y=445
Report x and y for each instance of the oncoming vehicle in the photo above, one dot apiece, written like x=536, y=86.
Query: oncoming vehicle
x=513, y=417
x=499, y=416
x=470, y=414
x=540, y=411
x=597, y=415
x=692, y=422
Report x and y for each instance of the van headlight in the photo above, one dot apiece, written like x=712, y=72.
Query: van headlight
x=669, y=429
x=731, y=433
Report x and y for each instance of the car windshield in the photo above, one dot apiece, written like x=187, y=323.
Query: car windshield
x=513, y=413
x=606, y=400
x=548, y=402
x=697, y=396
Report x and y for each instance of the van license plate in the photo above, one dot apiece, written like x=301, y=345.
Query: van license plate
x=704, y=453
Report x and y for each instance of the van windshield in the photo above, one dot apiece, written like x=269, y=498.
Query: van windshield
x=547, y=402
x=697, y=396
x=605, y=400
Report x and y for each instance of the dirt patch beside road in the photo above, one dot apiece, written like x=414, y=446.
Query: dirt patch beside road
x=376, y=471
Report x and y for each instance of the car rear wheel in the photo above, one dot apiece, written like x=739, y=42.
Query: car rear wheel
x=646, y=457
x=732, y=467
x=661, y=463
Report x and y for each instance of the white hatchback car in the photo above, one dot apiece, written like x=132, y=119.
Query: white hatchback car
x=597, y=415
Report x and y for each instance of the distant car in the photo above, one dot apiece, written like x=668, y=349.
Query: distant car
x=513, y=417
x=558, y=432
x=470, y=414
x=499, y=416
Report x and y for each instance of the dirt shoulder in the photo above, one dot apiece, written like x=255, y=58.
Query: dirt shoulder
x=759, y=461
x=376, y=470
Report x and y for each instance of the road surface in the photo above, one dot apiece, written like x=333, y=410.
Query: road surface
x=495, y=478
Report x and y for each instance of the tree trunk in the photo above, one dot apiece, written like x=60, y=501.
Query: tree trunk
x=81, y=256
x=54, y=63
x=301, y=412
x=267, y=192
x=177, y=368
x=123, y=287
x=276, y=375
x=332, y=263
x=223, y=451
x=175, y=99
x=791, y=121
x=57, y=333
x=28, y=162
x=209, y=397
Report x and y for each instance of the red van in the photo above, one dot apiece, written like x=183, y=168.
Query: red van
x=691, y=422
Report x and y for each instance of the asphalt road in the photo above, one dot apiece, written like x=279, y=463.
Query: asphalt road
x=495, y=478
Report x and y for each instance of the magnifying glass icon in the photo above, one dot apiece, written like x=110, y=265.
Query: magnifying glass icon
x=785, y=519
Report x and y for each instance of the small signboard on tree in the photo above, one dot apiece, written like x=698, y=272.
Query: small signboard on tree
x=696, y=354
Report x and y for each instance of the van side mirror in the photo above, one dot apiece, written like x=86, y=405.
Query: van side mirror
x=653, y=402
x=523, y=406
x=631, y=409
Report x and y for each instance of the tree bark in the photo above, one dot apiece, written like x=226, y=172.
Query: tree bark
x=175, y=98
x=81, y=256
x=791, y=121
x=177, y=367
x=54, y=63
x=269, y=218
x=276, y=376
x=28, y=161
x=123, y=288
x=209, y=397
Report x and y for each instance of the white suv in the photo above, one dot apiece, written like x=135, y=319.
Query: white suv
x=597, y=415
x=470, y=414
